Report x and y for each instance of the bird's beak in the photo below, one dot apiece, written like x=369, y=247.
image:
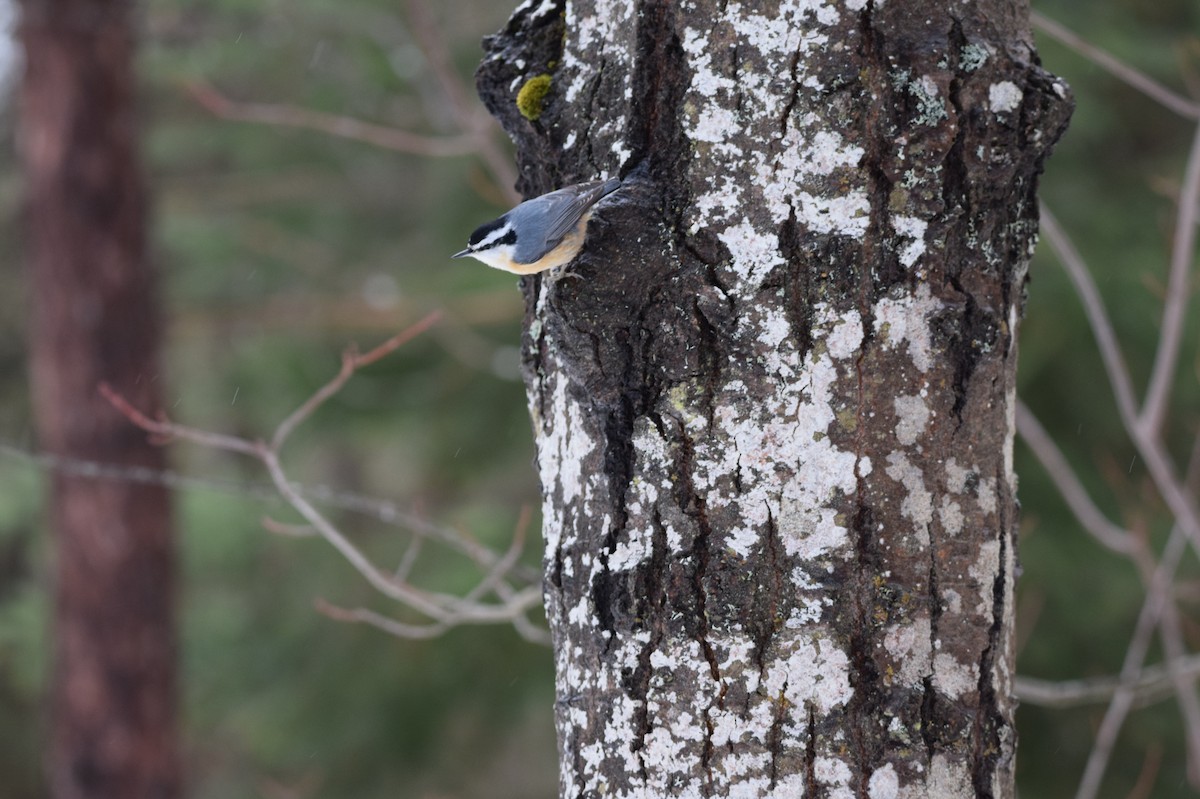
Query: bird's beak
x=462, y=254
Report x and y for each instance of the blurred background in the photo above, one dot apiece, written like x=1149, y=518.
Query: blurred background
x=278, y=246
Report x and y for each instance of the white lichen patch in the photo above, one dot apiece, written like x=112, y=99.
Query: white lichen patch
x=628, y=554
x=544, y=7
x=986, y=494
x=561, y=454
x=785, y=464
x=913, y=229
x=983, y=488
x=834, y=776
x=912, y=415
x=1004, y=97
x=805, y=613
x=956, y=476
x=802, y=159
x=719, y=204
x=780, y=34
x=884, y=783
x=984, y=571
x=676, y=725
x=845, y=334
x=951, y=516
x=742, y=541
x=813, y=671
x=809, y=173
x=608, y=27
x=906, y=320
x=952, y=678
x=918, y=502
x=910, y=647
x=946, y=777
x=754, y=254
x=707, y=81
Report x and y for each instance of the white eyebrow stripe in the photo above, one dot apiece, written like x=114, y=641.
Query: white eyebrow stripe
x=495, y=235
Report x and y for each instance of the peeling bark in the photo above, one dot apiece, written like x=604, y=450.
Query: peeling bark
x=774, y=407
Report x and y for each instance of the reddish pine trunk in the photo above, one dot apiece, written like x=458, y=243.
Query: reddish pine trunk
x=94, y=319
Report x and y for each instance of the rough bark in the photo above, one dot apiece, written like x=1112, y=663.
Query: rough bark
x=93, y=319
x=774, y=407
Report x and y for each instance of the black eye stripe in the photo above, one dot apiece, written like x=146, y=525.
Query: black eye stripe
x=484, y=231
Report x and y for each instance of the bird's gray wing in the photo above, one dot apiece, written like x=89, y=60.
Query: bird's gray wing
x=565, y=206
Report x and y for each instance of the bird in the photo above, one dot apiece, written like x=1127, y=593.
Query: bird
x=541, y=233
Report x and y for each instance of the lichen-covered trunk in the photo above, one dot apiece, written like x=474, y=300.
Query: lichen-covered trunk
x=112, y=719
x=773, y=404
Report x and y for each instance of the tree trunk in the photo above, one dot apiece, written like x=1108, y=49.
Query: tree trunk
x=773, y=406
x=94, y=319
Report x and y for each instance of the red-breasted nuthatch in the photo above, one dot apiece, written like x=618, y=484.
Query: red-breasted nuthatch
x=541, y=233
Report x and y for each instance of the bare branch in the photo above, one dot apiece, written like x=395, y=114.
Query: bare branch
x=164, y=430
x=1175, y=650
x=439, y=608
x=1065, y=480
x=1093, y=306
x=1152, y=684
x=331, y=124
x=388, y=625
x=383, y=511
x=287, y=530
x=443, y=610
x=350, y=363
x=1183, y=248
x=1157, y=595
x=410, y=557
x=505, y=564
x=1118, y=69
x=437, y=56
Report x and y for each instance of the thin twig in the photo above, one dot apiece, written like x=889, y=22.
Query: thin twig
x=437, y=56
x=351, y=362
x=388, y=625
x=1118, y=708
x=505, y=564
x=380, y=510
x=287, y=530
x=1183, y=248
x=1152, y=684
x=443, y=610
x=330, y=124
x=404, y=568
x=1065, y=480
x=1151, y=763
x=1175, y=650
x=1093, y=306
x=1118, y=69
x=164, y=430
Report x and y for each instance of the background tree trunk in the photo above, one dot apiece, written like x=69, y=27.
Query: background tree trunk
x=94, y=319
x=774, y=411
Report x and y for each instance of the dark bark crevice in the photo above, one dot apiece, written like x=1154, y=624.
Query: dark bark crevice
x=811, y=786
x=988, y=750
